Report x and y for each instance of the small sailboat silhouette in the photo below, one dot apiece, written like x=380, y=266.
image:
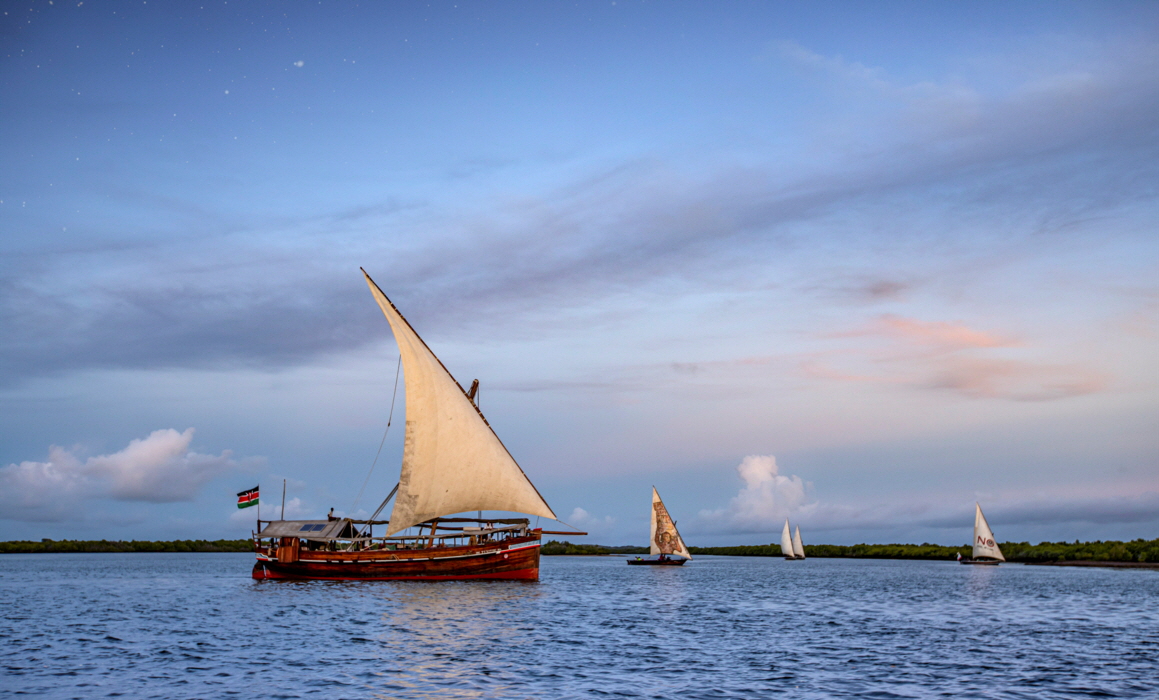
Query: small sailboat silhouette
x=986, y=549
x=791, y=546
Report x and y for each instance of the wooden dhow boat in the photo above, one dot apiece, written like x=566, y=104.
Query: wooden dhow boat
x=986, y=551
x=453, y=462
x=666, y=541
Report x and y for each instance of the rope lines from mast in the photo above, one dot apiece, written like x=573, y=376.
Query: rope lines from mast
x=390, y=418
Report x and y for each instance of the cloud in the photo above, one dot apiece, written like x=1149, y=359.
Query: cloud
x=590, y=524
x=1012, y=379
x=936, y=334
x=1055, y=103
x=884, y=289
x=1138, y=508
x=43, y=490
x=836, y=66
x=1101, y=510
x=157, y=469
x=766, y=499
x=942, y=355
x=1001, y=512
x=290, y=292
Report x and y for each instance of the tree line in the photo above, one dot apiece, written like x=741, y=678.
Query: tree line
x=1134, y=551
x=82, y=546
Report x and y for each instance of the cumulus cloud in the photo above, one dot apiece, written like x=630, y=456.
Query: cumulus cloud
x=157, y=469
x=589, y=523
x=765, y=500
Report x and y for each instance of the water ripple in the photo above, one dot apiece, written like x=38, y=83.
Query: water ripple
x=195, y=626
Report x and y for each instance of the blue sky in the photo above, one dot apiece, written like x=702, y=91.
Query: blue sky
x=856, y=265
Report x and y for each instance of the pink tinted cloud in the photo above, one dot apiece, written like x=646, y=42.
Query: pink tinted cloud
x=940, y=333
x=942, y=355
x=1012, y=379
x=935, y=334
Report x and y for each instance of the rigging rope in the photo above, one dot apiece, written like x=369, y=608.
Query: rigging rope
x=390, y=418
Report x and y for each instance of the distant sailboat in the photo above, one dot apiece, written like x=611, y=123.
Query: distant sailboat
x=666, y=540
x=986, y=550
x=798, y=548
x=787, y=542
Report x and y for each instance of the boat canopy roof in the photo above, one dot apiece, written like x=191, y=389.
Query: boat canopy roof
x=306, y=529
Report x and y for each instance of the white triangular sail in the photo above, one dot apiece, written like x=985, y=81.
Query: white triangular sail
x=787, y=542
x=984, y=543
x=798, y=548
x=452, y=461
x=665, y=538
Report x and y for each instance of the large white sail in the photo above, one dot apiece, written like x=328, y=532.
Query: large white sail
x=452, y=461
x=665, y=538
x=798, y=548
x=787, y=542
x=984, y=543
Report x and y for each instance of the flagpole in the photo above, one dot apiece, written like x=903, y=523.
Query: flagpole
x=259, y=507
x=283, y=499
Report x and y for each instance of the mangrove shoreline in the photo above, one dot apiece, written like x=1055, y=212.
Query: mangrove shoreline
x=1136, y=551
x=1134, y=554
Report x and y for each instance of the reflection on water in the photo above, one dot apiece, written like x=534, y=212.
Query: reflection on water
x=430, y=633
x=185, y=626
x=978, y=581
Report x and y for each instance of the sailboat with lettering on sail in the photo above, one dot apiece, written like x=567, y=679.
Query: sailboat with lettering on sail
x=791, y=547
x=453, y=462
x=986, y=550
x=666, y=540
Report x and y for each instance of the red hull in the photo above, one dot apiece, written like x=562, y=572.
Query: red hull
x=516, y=559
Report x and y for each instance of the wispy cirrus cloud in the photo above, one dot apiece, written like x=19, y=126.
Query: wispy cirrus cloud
x=288, y=292
x=953, y=356
x=939, y=336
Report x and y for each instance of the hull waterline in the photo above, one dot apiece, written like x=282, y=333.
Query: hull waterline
x=516, y=561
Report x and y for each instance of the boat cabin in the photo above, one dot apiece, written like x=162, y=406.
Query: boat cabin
x=348, y=535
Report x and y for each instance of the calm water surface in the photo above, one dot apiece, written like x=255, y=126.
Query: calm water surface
x=196, y=626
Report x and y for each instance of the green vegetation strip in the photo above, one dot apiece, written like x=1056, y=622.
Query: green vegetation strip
x=1133, y=551
x=81, y=546
x=1146, y=551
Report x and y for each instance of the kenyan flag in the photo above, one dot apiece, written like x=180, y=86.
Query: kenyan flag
x=245, y=499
